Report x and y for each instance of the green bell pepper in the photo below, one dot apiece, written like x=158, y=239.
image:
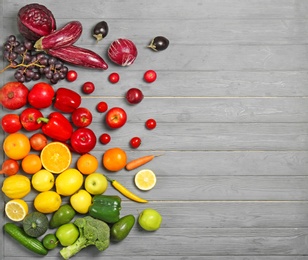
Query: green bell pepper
x=106, y=208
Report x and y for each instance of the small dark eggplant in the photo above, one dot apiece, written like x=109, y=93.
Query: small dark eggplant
x=159, y=43
x=100, y=30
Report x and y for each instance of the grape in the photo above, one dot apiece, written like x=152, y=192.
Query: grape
x=30, y=64
x=11, y=38
x=28, y=45
x=6, y=46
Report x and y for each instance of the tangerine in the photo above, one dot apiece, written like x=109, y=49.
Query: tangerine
x=114, y=159
x=31, y=163
x=87, y=164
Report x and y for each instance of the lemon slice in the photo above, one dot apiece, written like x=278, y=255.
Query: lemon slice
x=145, y=179
x=16, y=209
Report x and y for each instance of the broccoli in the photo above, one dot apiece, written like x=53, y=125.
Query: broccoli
x=91, y=232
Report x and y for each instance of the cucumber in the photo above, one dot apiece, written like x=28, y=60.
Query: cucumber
x=20, y=236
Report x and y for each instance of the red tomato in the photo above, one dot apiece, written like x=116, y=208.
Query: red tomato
x=88, y=87
x=105, y=138
x=150, y=124
x=135, y=142
x=114, y=77
x=71, y=75
x=102, y=107
x=82, y=117
x=10, y=123
x=29, y=117
x=41, y=95
x=38, y=141
x=83, y=140
x=150, y=76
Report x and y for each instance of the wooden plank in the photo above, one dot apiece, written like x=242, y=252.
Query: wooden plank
x=209, y=32
x=212, y=136
x=221, y=163
x=195, y=84
x=197, y=9
x=197, y=242
x=203, y=110
x=214, y=188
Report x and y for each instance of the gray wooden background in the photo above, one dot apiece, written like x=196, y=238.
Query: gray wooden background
x=232, y=112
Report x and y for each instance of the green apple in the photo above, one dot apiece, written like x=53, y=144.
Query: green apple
x=96, y=183
x=150, y=219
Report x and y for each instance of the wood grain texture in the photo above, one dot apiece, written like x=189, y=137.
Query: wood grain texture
x=231, y=108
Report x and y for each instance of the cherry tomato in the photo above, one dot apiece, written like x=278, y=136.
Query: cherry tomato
x=102, y=107
x=150, y=76
x=88, y=87
x=135, y=142
x=10, y=123
x=105, y=138
x=150, y=124
x=71, y=75
x=114, y=77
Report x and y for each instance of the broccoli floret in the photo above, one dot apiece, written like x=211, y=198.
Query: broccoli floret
x=91, y=232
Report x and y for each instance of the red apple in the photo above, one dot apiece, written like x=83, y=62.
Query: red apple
x=82, y=117
x=116, y=117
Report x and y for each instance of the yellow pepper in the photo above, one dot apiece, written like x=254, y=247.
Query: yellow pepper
x=119, y=187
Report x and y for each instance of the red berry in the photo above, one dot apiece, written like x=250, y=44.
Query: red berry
x=71, y=75
x=135, y=142
x=105, y=138
x=88, y=87
x=150, y=124
x=102, y=107
x=150, y=76
x=114, y=77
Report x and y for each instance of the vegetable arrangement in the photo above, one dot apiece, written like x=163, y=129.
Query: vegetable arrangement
x=90, y=217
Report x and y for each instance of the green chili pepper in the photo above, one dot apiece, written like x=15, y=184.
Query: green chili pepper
x=106, y=208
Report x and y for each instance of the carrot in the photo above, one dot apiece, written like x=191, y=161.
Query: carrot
x=139, y=161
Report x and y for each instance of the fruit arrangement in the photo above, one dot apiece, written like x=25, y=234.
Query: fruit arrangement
x=71, y=208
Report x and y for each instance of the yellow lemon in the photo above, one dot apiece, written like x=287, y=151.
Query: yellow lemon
x=16, y=209
x=145, y=179
x=43, y=180
x=47, y=202
x=69, y=182
x=81, y=201
x=16, y=186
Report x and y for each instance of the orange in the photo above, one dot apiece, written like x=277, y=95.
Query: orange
x=31, y=163
x=56, y=157
x=87, y=163
x=16, y=146
x=114, y=159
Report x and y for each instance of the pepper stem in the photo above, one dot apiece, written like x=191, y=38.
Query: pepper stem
x=108, y=179
x=42, y=119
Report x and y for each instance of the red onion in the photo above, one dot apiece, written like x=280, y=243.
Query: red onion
x=35, y=21
x=123, y=52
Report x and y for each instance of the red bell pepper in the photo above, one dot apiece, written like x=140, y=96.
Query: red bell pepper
x=67, y=100
x=57, y=126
